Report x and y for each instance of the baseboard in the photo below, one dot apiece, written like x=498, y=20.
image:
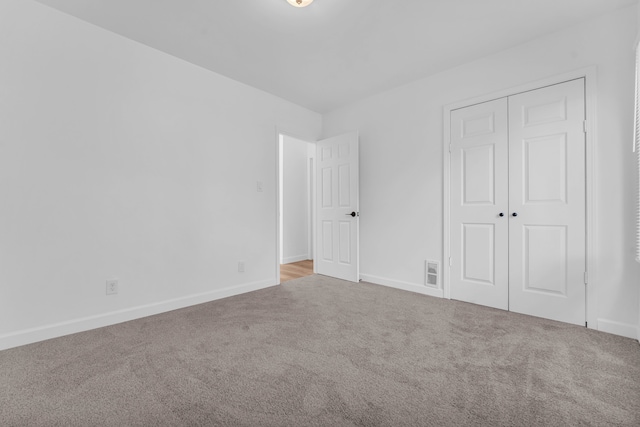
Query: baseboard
x=617, y=328
x=296, y=258
x=405, y=286
x=29, y=336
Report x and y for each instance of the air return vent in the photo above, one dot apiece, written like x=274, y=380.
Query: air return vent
x=432, y=274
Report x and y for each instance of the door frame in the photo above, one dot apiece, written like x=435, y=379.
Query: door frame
x=589, y=74
x=311, y=163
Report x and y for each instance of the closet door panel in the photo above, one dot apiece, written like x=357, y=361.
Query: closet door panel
x=547, y=193
x=479, y=235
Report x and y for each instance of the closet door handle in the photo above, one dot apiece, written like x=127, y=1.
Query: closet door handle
x=514, y=214
x=501, y=214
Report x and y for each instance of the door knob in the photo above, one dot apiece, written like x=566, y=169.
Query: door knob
x=501, y=214
x=352, y=214
x=514, y=214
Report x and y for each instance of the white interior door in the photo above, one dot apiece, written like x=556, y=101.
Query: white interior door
x=479, y=194
x=547, y=193
x=518, y=212
x=337, y=207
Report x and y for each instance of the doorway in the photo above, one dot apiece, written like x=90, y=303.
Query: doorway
x=331, y=180
x=295, y=178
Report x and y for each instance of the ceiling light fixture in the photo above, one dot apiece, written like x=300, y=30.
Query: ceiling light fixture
x=300, y=3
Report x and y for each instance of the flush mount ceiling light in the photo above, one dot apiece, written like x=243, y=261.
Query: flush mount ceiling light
x=300, y=3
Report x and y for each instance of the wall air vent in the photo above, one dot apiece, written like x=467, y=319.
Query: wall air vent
x=432, y=274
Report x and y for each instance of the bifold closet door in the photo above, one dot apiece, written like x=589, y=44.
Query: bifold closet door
x=547, y=193
x=479, y=194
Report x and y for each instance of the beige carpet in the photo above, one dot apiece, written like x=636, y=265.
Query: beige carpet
x=322, y=352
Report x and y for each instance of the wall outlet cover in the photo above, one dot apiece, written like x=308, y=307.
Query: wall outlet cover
x=112, y=286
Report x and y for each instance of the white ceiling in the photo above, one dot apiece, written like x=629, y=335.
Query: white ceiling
x=332, y=52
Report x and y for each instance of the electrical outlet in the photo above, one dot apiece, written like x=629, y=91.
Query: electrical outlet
x=112, y=286
x=240, y=266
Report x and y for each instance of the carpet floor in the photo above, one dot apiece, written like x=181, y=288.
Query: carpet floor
x=317, y=351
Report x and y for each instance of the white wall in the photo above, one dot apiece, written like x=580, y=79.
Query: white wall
x=401, y=138
x=119, y=161
x=295, y=215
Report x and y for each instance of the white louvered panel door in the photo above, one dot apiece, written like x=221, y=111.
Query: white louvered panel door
x=547, y=193
x=523, y=157
x=479, y=193
x=337, y=207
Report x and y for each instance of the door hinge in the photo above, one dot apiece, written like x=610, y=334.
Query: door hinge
x=450, y=261
x=450, y=148
x=585, y=126
x=586, y=278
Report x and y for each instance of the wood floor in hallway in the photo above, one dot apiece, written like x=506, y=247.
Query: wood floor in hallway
x=296, y=270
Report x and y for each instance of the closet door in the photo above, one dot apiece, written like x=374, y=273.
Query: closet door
x=547, y=252
x=479, y=192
